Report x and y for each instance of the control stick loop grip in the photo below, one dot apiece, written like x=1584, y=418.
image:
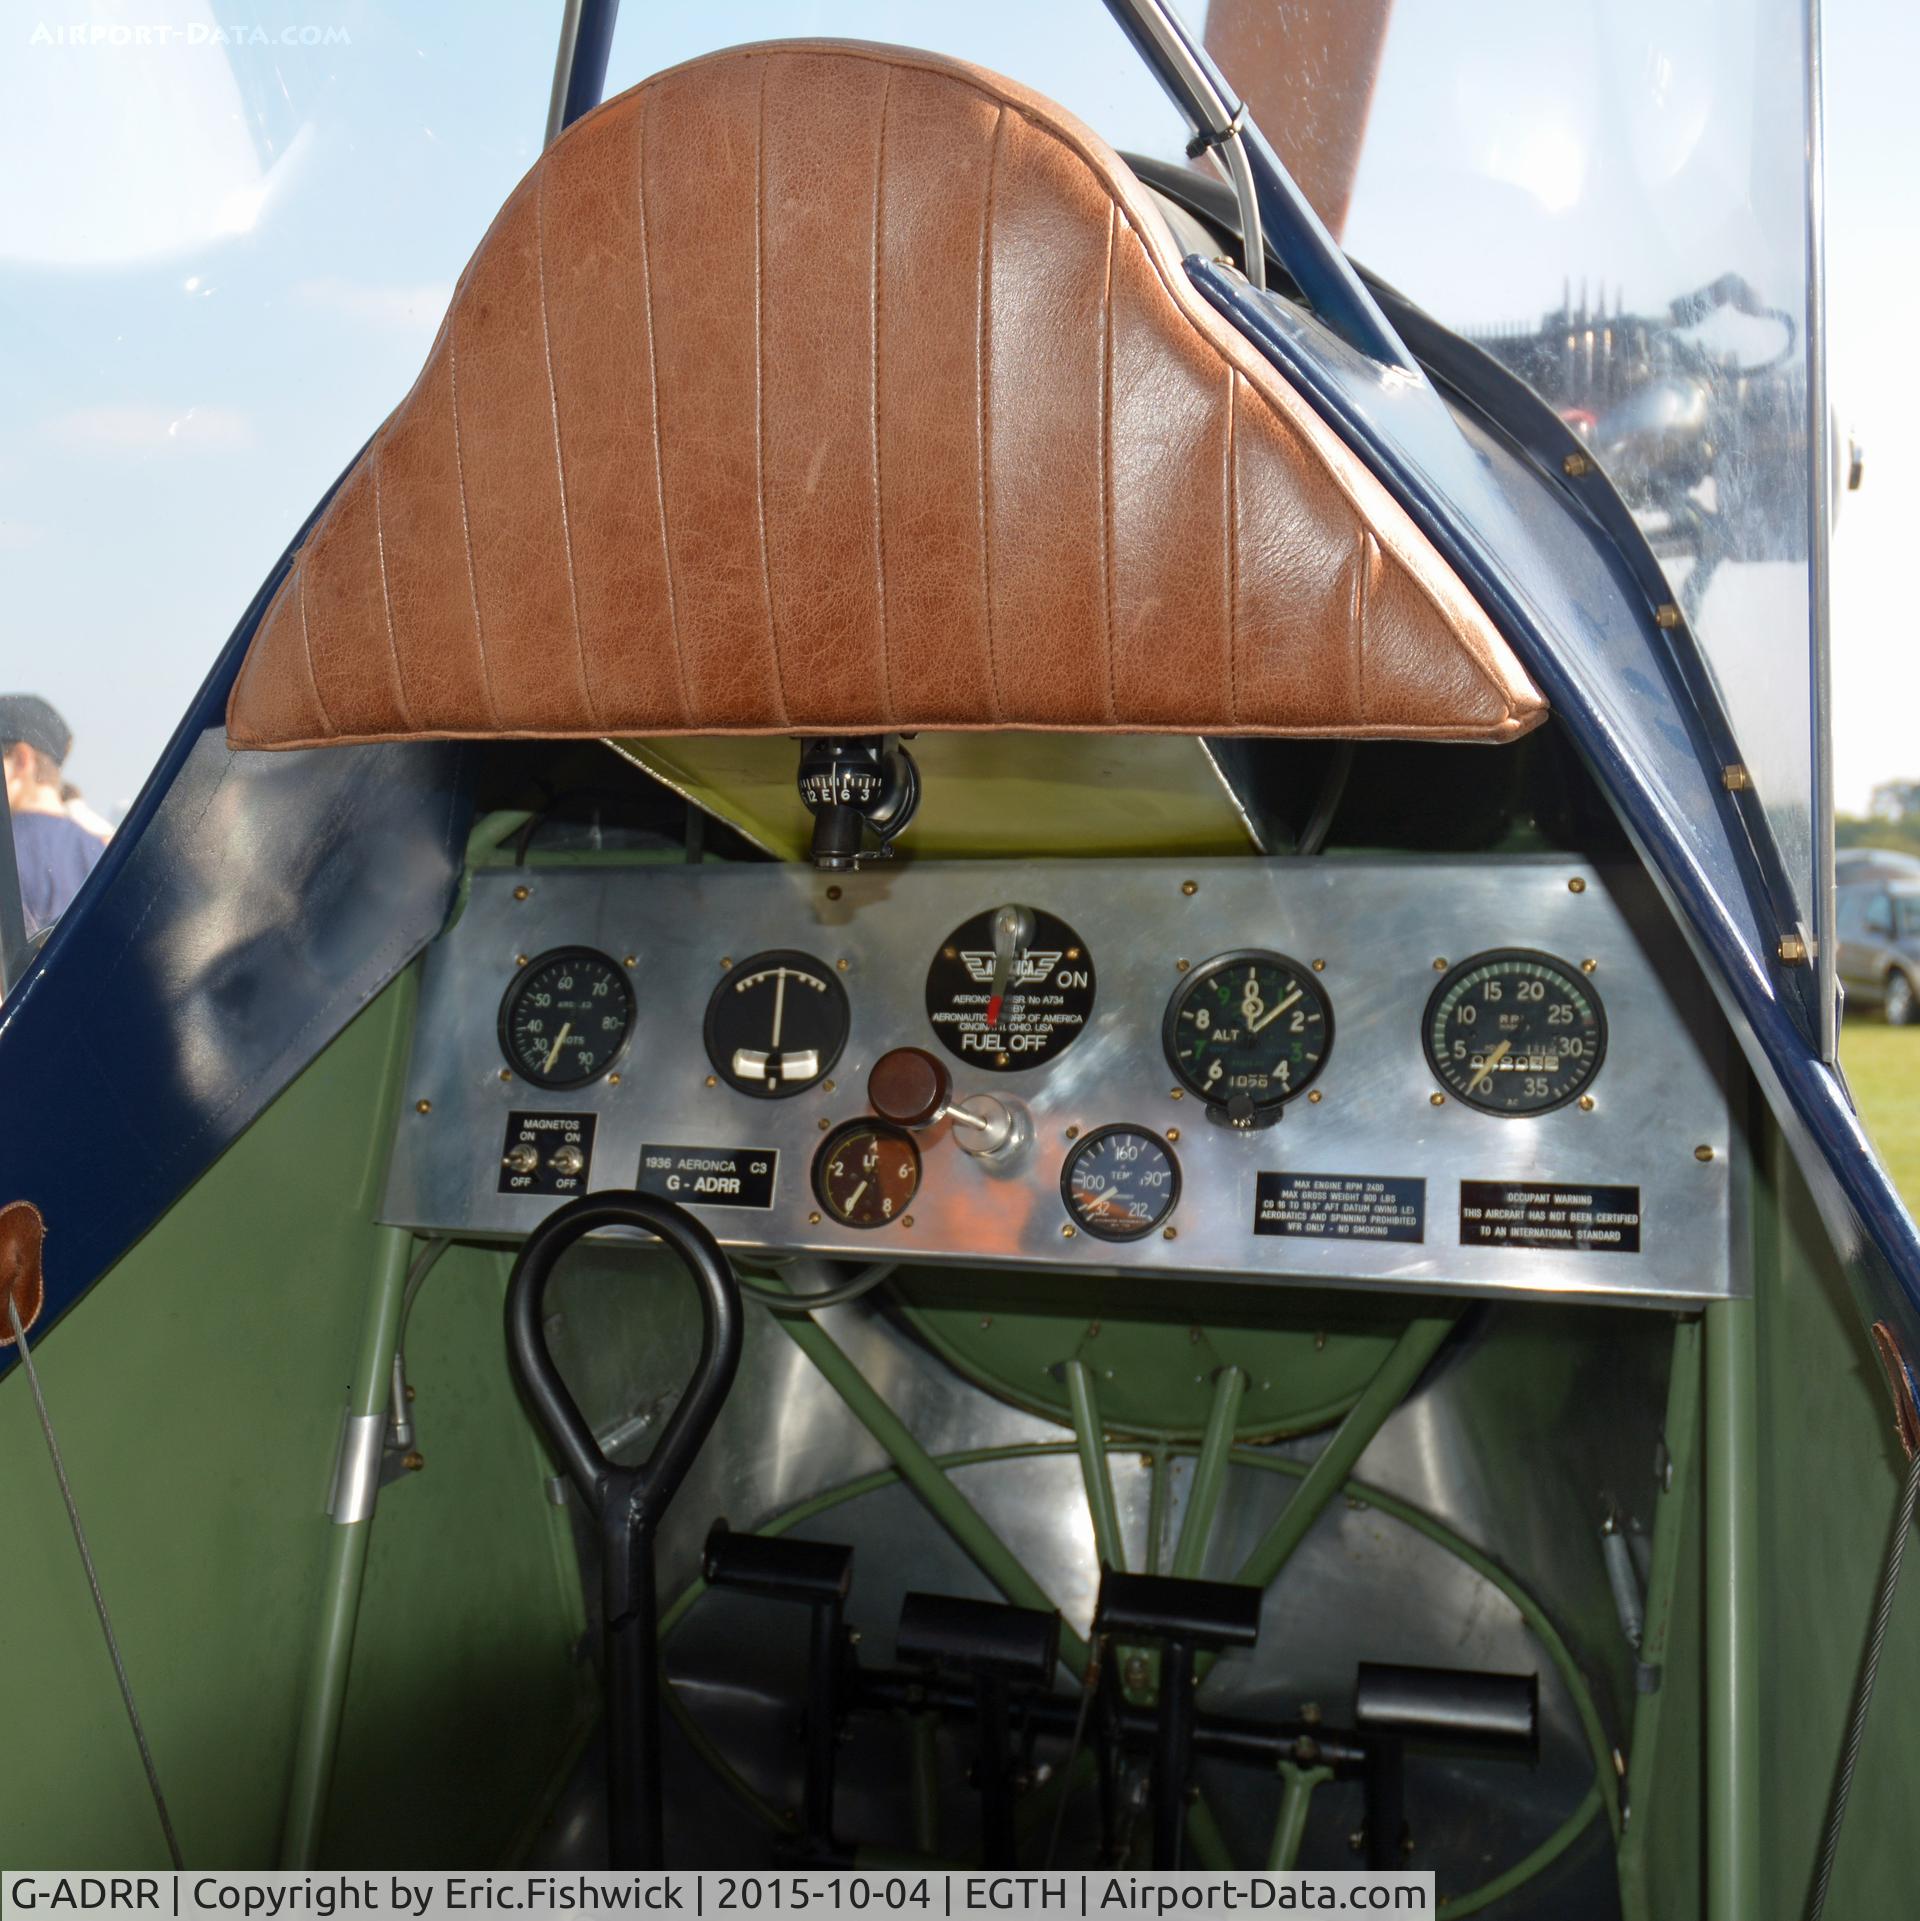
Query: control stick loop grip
x=909, y=1087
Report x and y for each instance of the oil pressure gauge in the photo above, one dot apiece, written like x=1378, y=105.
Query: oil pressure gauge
x=1515, y=1032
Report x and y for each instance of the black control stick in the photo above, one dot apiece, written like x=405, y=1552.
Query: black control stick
x=628, y=1503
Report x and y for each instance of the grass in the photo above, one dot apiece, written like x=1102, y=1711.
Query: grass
x=1883, y=1068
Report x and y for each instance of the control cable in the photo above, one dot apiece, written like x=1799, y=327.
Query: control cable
x=1863, y=1693
x=774, y=1295
x=93, y=1581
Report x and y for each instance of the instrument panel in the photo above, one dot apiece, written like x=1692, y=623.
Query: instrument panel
x=1496, y=1075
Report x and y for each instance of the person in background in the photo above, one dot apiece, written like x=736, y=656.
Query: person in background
x=55, y=853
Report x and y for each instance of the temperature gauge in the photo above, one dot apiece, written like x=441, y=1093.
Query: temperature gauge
x=1120, y=1183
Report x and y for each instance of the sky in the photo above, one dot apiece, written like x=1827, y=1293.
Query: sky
x=231, y=229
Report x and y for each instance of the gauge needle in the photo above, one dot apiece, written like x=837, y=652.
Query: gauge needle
x=779, y=1005
x=1277, y=1012
x=553, y=1052
x=853, y=1200
x=1494, y=1056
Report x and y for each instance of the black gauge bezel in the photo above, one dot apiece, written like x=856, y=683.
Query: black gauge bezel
x=515, y=987
x=758, y=963
x=864, y=1124
x=1093, y=1139
x=941, y=991
x=1195, y=978
x=1573, y=975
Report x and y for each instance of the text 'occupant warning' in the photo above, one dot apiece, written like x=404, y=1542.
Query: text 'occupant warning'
x=1592, y=1220
x=1341, y=1207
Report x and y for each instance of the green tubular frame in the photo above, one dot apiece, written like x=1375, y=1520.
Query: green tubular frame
x=1109, y=1547
x=1209, y=1474
x=345, y=1577
x=1209, y=1848
x=1733, y=1733
x=1290, y=1825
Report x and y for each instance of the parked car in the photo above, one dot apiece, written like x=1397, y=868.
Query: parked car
x=1855, y=865
x=1879, y=925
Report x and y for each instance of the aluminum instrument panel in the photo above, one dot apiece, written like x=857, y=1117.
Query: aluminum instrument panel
x=1263, y=1069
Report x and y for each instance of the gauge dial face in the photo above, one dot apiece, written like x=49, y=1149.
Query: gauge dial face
x=1248, y=1031
x=866, y=1173
x=1120, y=1183
x=1515, y=1032
x=776, y=1024
x=566, y=1017
x=1020, y=1006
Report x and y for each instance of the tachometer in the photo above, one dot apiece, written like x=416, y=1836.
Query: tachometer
x=776, y=1024
x=565, y=1018
x=1515, y=1032
x=1120, y=1182
x=1247, y=1032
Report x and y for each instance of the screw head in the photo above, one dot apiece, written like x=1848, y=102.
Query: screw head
x=519, y=960
x=1176, y=1093
x=1576, y=885
x=1319, y=967
x=826, y=1087
x=1173, y=1133
x=613, y=1080
x=1073, y=1133
x=629, y=960
x=1436, y=1099
x=1703, y=1152
x=1182, y=966
x=824, y=1123
x=813, y=1219
x=521, y=893
x=506, y=1073
x=1586, y=1103
x=1587, y=966
x=414, y=1462
x=423, y=1107
x=713, y=1080
x=1066, y=1230
x=833, y=893
x=843, y=963
x=1189, y=887
x=1169, y=1233
x=906, y=1220
x=1440, y=964
x=1313, y=1097
x=726, y=961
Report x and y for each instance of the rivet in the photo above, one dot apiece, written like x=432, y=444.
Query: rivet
x=1181, y=967
x=1587, y=966
x=1735, y=778
x=1703, y=1152
x=1073, y=953
x=843, y=963
x=1436, y=1100
x=423, y=1107
x=1319, y=967
x=1169, y=1233
x=1073, y=1133
x=824, y=1123
x=1189, y=887
x=1440, y=964
x=1575, y=465
x=1576, y=885
x=506, y=1073
x=1313, y=1097
x=833, y=893
x=1001, y=1060
x=1586, y=1103
x=1666, y=615
x=1173, y=1133
x=413, y=1462
x=813, y=1219
x=520, y=893
x=1066, y=1230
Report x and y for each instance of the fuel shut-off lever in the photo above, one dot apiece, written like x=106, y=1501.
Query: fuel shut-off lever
x=855, y=785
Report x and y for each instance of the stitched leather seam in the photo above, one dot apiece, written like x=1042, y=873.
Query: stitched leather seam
x=983, y=428
x=306, y=643
x=386, y=596
x=1364, y=568
x=1106, y=467
x=760, y=385
x=653, y=407
x=466, y=528
x=559, y=453
x=873, y=323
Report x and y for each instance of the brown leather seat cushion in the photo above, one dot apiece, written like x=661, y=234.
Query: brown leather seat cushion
x=824, y=387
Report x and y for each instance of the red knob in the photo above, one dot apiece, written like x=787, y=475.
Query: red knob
x=909, y=1087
